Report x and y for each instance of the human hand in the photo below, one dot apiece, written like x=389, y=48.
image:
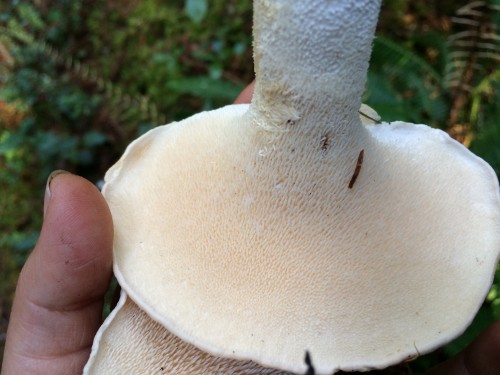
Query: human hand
x=58, y=305
x=59, y=297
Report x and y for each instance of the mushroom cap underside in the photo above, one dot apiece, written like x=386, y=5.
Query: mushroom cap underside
x=129, y=342
x=255, y=249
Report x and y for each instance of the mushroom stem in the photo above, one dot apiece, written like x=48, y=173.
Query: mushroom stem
x=307, y=65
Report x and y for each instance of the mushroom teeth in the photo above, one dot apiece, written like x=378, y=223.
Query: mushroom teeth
x=132, y=343
x=264, y=256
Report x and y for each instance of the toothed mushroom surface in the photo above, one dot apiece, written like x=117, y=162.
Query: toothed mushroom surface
x=132, y=343
x=263, y=232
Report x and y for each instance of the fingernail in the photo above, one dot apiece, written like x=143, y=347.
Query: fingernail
x=48, y=193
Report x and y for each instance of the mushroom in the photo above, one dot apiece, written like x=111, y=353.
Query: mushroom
x=263, y=232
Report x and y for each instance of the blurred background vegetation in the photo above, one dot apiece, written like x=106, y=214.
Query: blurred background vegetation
x=80, y=79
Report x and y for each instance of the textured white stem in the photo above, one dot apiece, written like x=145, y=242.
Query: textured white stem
x=311, y=58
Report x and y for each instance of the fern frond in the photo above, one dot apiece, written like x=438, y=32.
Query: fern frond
x=404, y=59
x=113, y=93
x=475, y=51
x=480, y=41
x=470, y=9
x=484, y=88
x=5, y=56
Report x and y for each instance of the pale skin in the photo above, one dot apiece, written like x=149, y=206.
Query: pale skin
x=59, y=297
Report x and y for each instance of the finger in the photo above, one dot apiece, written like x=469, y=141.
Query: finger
x=58, y=303
x=246, y=95
x=482, y=357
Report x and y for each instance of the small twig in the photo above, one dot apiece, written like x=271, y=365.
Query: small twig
x=357, y=169
x=310, y=367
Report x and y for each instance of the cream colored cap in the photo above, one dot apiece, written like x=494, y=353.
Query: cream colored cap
x=255, y=250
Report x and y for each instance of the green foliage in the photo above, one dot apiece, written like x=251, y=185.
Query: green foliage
x=207, y=88
x=80, y=79
x=196, y=9
x=486, y=114
x=494, y=296
x=404, y=86
x=446, y=80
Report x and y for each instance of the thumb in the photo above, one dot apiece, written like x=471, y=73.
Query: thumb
x=58, y=304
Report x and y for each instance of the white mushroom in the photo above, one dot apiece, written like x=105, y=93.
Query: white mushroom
x=132, y=343
x=261, y=232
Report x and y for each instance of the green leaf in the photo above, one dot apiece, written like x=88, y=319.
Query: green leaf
x=31, y=16
x=93, y=138
x=495, y=306
x=384, y=99
x=16, y=30
x=206, y=88
x=399, y=59
x=196, y=9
